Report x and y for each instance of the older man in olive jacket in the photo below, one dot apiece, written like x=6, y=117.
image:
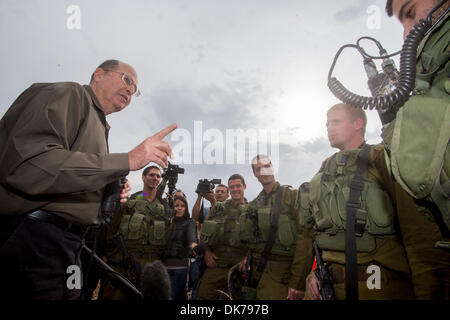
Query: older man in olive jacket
x=54, y=165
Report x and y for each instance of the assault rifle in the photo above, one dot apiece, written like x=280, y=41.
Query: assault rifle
x=324, y=276
x=128, y=263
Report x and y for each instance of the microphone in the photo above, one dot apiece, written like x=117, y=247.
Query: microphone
x=155, y=282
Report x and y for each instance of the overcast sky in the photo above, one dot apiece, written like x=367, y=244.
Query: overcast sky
x=216, y=67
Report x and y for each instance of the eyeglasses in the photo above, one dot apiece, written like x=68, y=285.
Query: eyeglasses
x=128, y=81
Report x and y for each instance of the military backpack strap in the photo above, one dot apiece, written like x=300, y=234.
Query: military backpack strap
x=276, y=209
x=353, y=204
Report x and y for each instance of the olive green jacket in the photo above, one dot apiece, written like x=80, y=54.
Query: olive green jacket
x=54, y=142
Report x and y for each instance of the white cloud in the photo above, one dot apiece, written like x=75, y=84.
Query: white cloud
x=233, y=64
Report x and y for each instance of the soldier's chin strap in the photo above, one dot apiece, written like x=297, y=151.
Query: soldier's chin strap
x=352, y=228
x=276, y=209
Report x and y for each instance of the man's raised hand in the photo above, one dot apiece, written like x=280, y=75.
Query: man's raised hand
x=152, y=149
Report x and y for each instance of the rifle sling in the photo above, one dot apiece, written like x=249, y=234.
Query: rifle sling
x=276, y=209
x=353, y=204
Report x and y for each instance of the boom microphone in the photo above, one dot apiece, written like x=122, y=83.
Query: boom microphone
x=155, y=282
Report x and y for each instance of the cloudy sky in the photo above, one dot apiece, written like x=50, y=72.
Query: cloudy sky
x=256, y=69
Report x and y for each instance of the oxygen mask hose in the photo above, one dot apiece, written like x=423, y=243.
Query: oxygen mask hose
x=407, y=75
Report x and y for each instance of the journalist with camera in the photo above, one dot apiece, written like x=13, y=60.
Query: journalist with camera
x=205, y=190
x=220, y=235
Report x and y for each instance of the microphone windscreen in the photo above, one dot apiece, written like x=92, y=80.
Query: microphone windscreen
x=155, y=282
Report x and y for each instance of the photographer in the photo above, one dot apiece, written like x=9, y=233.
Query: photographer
x=220, y=235
x=221, y=194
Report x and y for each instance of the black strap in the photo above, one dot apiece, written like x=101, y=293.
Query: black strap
x=276, y=209
x=201, y=214
x=353, y=204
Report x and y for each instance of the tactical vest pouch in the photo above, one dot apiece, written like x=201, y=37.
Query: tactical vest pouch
x=133, y=227
x=233, y=239
x=157, y=233
x=322, y=220
x=231, y=228
x=212, y=232
x=264, y=221
x=336, y=242
x=380, y=218
x=286, y=234
x=247, y=226
x=305, y=218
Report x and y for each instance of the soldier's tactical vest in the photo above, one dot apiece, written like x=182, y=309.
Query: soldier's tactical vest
x=144, y=224
x=255, y=226
x=222, y=225
x=421, y=128
x=328, y=194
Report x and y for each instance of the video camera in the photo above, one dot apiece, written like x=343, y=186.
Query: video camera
x=170, y=177
x=205, y=186
x=172, y=171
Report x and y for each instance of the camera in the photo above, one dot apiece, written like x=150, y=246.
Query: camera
x=173, y=171
x=205, y=186
x=170, y=176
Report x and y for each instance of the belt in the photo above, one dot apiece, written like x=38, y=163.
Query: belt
x=63, y=224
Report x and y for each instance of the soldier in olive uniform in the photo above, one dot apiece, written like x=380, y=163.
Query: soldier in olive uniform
x=142, y=223
x=325, y=205
x=279, y=280
x=421, y=130
x=220, y=233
